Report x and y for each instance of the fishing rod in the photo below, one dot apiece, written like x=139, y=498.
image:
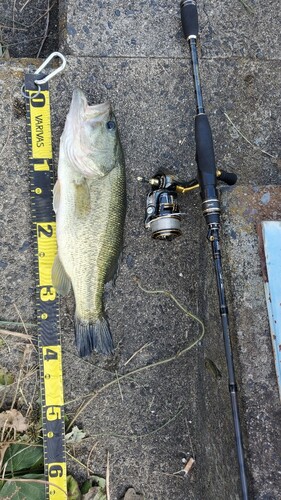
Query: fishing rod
x=207, y=178
x=163, y=216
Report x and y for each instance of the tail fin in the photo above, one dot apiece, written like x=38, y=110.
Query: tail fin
x=93, y=336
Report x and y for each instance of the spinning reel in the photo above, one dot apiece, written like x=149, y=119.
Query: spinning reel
x=163, y=216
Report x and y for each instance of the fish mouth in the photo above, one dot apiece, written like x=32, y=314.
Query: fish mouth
x=80, y=107
x=82, y=139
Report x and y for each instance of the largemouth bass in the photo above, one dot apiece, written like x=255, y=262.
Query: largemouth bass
x=89, y=201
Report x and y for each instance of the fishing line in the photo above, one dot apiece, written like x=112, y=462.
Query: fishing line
x=179, y=305
x=94, y=395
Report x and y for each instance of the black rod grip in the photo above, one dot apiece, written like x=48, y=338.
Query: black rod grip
x=189, y=18
x=227, y=177
x=205, y=155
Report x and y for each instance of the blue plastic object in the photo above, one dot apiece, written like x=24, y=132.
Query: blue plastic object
x=271, y=231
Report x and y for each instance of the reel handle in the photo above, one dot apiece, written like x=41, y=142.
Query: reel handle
x=189, y=18
x=229, y=178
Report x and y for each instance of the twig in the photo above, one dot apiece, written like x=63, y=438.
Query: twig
x=8, y=135
x=19, y=380
x=10, y=430
x=3, y=431
x=247, y=140
x=247, y=7
x=33, y=395
x=171, y=475
x=11, y=27
x=17, y=22
x=151, y=403
x=80, y=463
x=15, y=323
x=19, y=314
x=14, y=9
x=28, y=41
x=187, y=425
x=89, y=456
x=3, y=397
x=138, y=351
x=43, y=15
x=4, y=447
x=16, y=334
x=107, y=477
x=23, y=396
x=10, y=458
x=46, y=29
x=34, y=481
x=145, y=434
x=26, y=3
x=119, y=386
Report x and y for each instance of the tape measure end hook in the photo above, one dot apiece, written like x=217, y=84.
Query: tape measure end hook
x=53, y=73
x=48, y=77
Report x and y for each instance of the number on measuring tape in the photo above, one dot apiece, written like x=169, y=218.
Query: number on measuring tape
x=53, y=413
x=46, y=231
x=50, y=354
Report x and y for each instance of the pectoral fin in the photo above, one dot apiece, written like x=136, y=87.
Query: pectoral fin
x=61, y=280
x=56, y=196
x=82, y=199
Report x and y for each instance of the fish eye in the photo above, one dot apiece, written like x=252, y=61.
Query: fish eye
x=110, y=125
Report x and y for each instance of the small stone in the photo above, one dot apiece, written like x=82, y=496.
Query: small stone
x=131, y=494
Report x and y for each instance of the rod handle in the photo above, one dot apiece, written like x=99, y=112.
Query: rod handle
x=227, y=177
x=205, y=155
x=189, y=18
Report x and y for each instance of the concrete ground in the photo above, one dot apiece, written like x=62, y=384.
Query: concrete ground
x=135, y=56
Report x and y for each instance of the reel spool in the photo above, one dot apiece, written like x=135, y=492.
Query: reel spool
x=163, y=216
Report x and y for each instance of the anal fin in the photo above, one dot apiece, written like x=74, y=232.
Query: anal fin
x=112, y=272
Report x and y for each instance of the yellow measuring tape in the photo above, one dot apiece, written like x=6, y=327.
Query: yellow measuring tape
x=44, y=230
